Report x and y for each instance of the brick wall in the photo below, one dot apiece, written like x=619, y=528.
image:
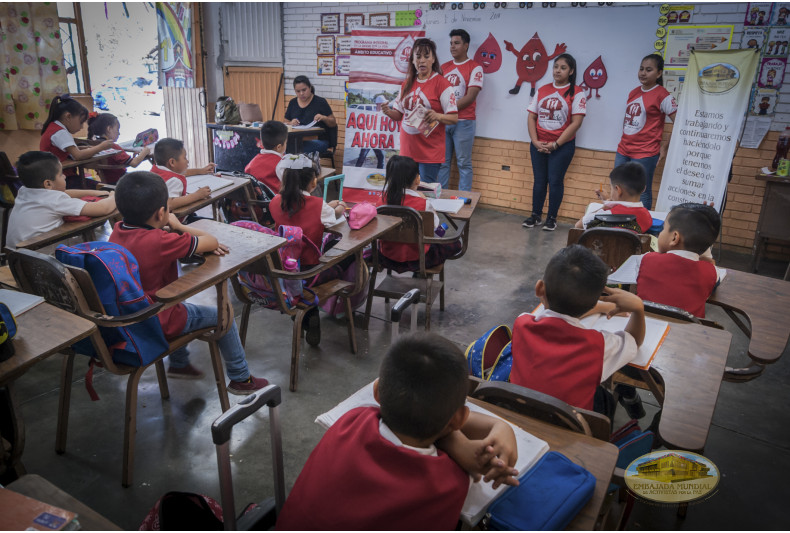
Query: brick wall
x=511, y=190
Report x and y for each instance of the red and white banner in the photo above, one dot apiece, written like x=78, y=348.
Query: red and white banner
x=379, y=63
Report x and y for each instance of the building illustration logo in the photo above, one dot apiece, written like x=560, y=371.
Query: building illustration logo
x=718, y=78
x=672, y=476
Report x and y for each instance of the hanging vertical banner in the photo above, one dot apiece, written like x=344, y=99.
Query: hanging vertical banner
x=379, y=63
x=710, y=116
x=174, y=30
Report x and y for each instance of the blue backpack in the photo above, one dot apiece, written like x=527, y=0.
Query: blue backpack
x=490, y=357
x=116, y=276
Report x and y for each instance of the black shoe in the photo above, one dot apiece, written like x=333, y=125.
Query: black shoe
x=550, y=225
x=516, y=89
x=532, y=221
x=312, y=325
x=631, y=401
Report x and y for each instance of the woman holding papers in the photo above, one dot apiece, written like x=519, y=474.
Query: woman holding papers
x=425, y=104
x=309, y=109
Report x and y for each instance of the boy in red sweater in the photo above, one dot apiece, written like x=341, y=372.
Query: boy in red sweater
x=386, y=467
x=172, y=165
x=627, y=182
x=274, y=136
x=553, y=352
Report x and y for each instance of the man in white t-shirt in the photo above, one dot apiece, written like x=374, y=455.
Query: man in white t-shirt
x=466, y=76
x=43, y=201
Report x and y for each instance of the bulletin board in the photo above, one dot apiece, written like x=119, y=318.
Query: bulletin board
x=613, y=40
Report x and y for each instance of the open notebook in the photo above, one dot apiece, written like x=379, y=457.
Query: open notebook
x=446, y=205
x=530, y=449
x=206, y=180
x=595, y=206
x=19, y=302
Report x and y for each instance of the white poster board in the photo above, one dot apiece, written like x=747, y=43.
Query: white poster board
x=618, y=36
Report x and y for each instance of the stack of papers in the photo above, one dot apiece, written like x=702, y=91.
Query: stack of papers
x=19, y=302
x=446, y=205
x=206, y=180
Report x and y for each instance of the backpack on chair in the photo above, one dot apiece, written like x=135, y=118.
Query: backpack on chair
x=490, y=357
x=239, y=210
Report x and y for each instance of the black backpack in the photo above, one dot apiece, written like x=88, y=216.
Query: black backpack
x=226, y=111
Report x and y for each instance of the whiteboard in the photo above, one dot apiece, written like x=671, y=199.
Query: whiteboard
x=622, y=36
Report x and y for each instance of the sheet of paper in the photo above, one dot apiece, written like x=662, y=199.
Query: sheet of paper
x=530, y=449
x=206, y=180
x=109, y=151
x=655, y=332
x=627, y=273
x=305, y=126
x=446, y=205
x=19, y=302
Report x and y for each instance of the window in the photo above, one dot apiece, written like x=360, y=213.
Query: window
x=74, y=51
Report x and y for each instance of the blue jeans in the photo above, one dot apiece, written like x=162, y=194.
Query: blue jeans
x=549, y=172
x=204, y=316
x=428, y=171
x=460, y=136
x=315, y=145
x=649, y=164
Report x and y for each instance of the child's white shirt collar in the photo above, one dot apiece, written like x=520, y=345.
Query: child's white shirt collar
x=685, y=254
x=387, y=434
x=59, y=123
x=411, y=192
x=573, y=321
x=265, y=151
x=638, y=203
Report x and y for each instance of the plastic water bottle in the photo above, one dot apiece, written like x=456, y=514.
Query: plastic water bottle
x=441, y=230
x=782, y=146
x=292, y=286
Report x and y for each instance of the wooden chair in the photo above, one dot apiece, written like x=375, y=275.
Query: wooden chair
x=612, y=245
x=271, y=267
x=416, y=228
x=7, y=177
x=72, y=289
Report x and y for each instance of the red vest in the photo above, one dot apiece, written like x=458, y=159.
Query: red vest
x=264, y=167
x=643, y=217
x=557, y=358
x=45, y=145
x=168, y=174
x=402, y=252
x=673, y=280
x=355, y=479
x=308, y=218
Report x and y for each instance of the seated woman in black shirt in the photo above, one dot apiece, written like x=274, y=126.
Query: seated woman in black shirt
x=306, y=108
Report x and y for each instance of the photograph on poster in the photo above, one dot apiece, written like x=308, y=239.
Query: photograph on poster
x=373, y=136
x=777, y=41
x=342, y=65
x=753, y=38
x=758, y=14
x=781, y=14
x=343, y=45
x=352, y=20
x=673, y=82
x=772, y=70
x=326, y=65
x=330, y=22
x=763, y=101
x=681, y=40
x=680, y=14
x=325, y=45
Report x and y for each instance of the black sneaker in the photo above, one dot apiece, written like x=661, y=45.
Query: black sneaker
x=532, y=221
x=630, y=400
x=312, y=325
x=550, y=225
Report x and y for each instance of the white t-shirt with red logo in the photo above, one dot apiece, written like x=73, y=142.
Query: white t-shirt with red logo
x=643, y=124
x=462, y=76
x=435, y=93
x=555, y=108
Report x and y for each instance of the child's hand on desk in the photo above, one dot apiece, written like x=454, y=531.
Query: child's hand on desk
x=499, y=455
x=203, y=192
x=208, y=169
x=221, y=250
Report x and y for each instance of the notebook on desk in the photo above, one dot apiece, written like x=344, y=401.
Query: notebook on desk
x=206, y=180
x=21, y=513
x=480, y=496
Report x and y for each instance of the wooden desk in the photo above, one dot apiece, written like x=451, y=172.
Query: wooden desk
x=325, y=173
x=246, y=247
x=82, y=164
x=41, y=332
x=68, y=230
x=774, y=222
x=466, y=212
x=353, y=239
x=765, y=302
x=595, y=455
x=241, y=185
x=296, y=137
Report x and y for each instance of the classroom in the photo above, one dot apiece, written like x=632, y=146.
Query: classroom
x=217, y=100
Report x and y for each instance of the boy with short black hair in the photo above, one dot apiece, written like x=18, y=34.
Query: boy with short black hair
x=172, y=165
x=43, y=201
x=553, y=352
x=274, y=137
x=378, y=467
x=142, y=201
x=627, y=182
x=678, y=275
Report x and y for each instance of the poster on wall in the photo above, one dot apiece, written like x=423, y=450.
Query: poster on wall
x=772, y=71
x=343, y=45
x=781, y=14
x=758, y=14
x=763, y=101
x=325, y=45
x=379, y=63
x=352, y=20
x=681, y=40
x=709, y=119
x=174, y=31
x=753, y=38
x=330, y=22
x=507, y=42
x=673, y=82
x=379, y=20
x=679, y=14
x=325, y=66
x=754, y=131
x=342, y=65
x=777, y=43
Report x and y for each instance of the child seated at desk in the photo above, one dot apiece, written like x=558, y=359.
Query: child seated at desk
x=401, y=466
x=106, y=127
x=400, y=188
x=274, y=137
x=43, y=200
x=66, y=117
x=553, y=352
x=172, y=165
x=142, y=201
x=679, y=274
x=626, y=182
